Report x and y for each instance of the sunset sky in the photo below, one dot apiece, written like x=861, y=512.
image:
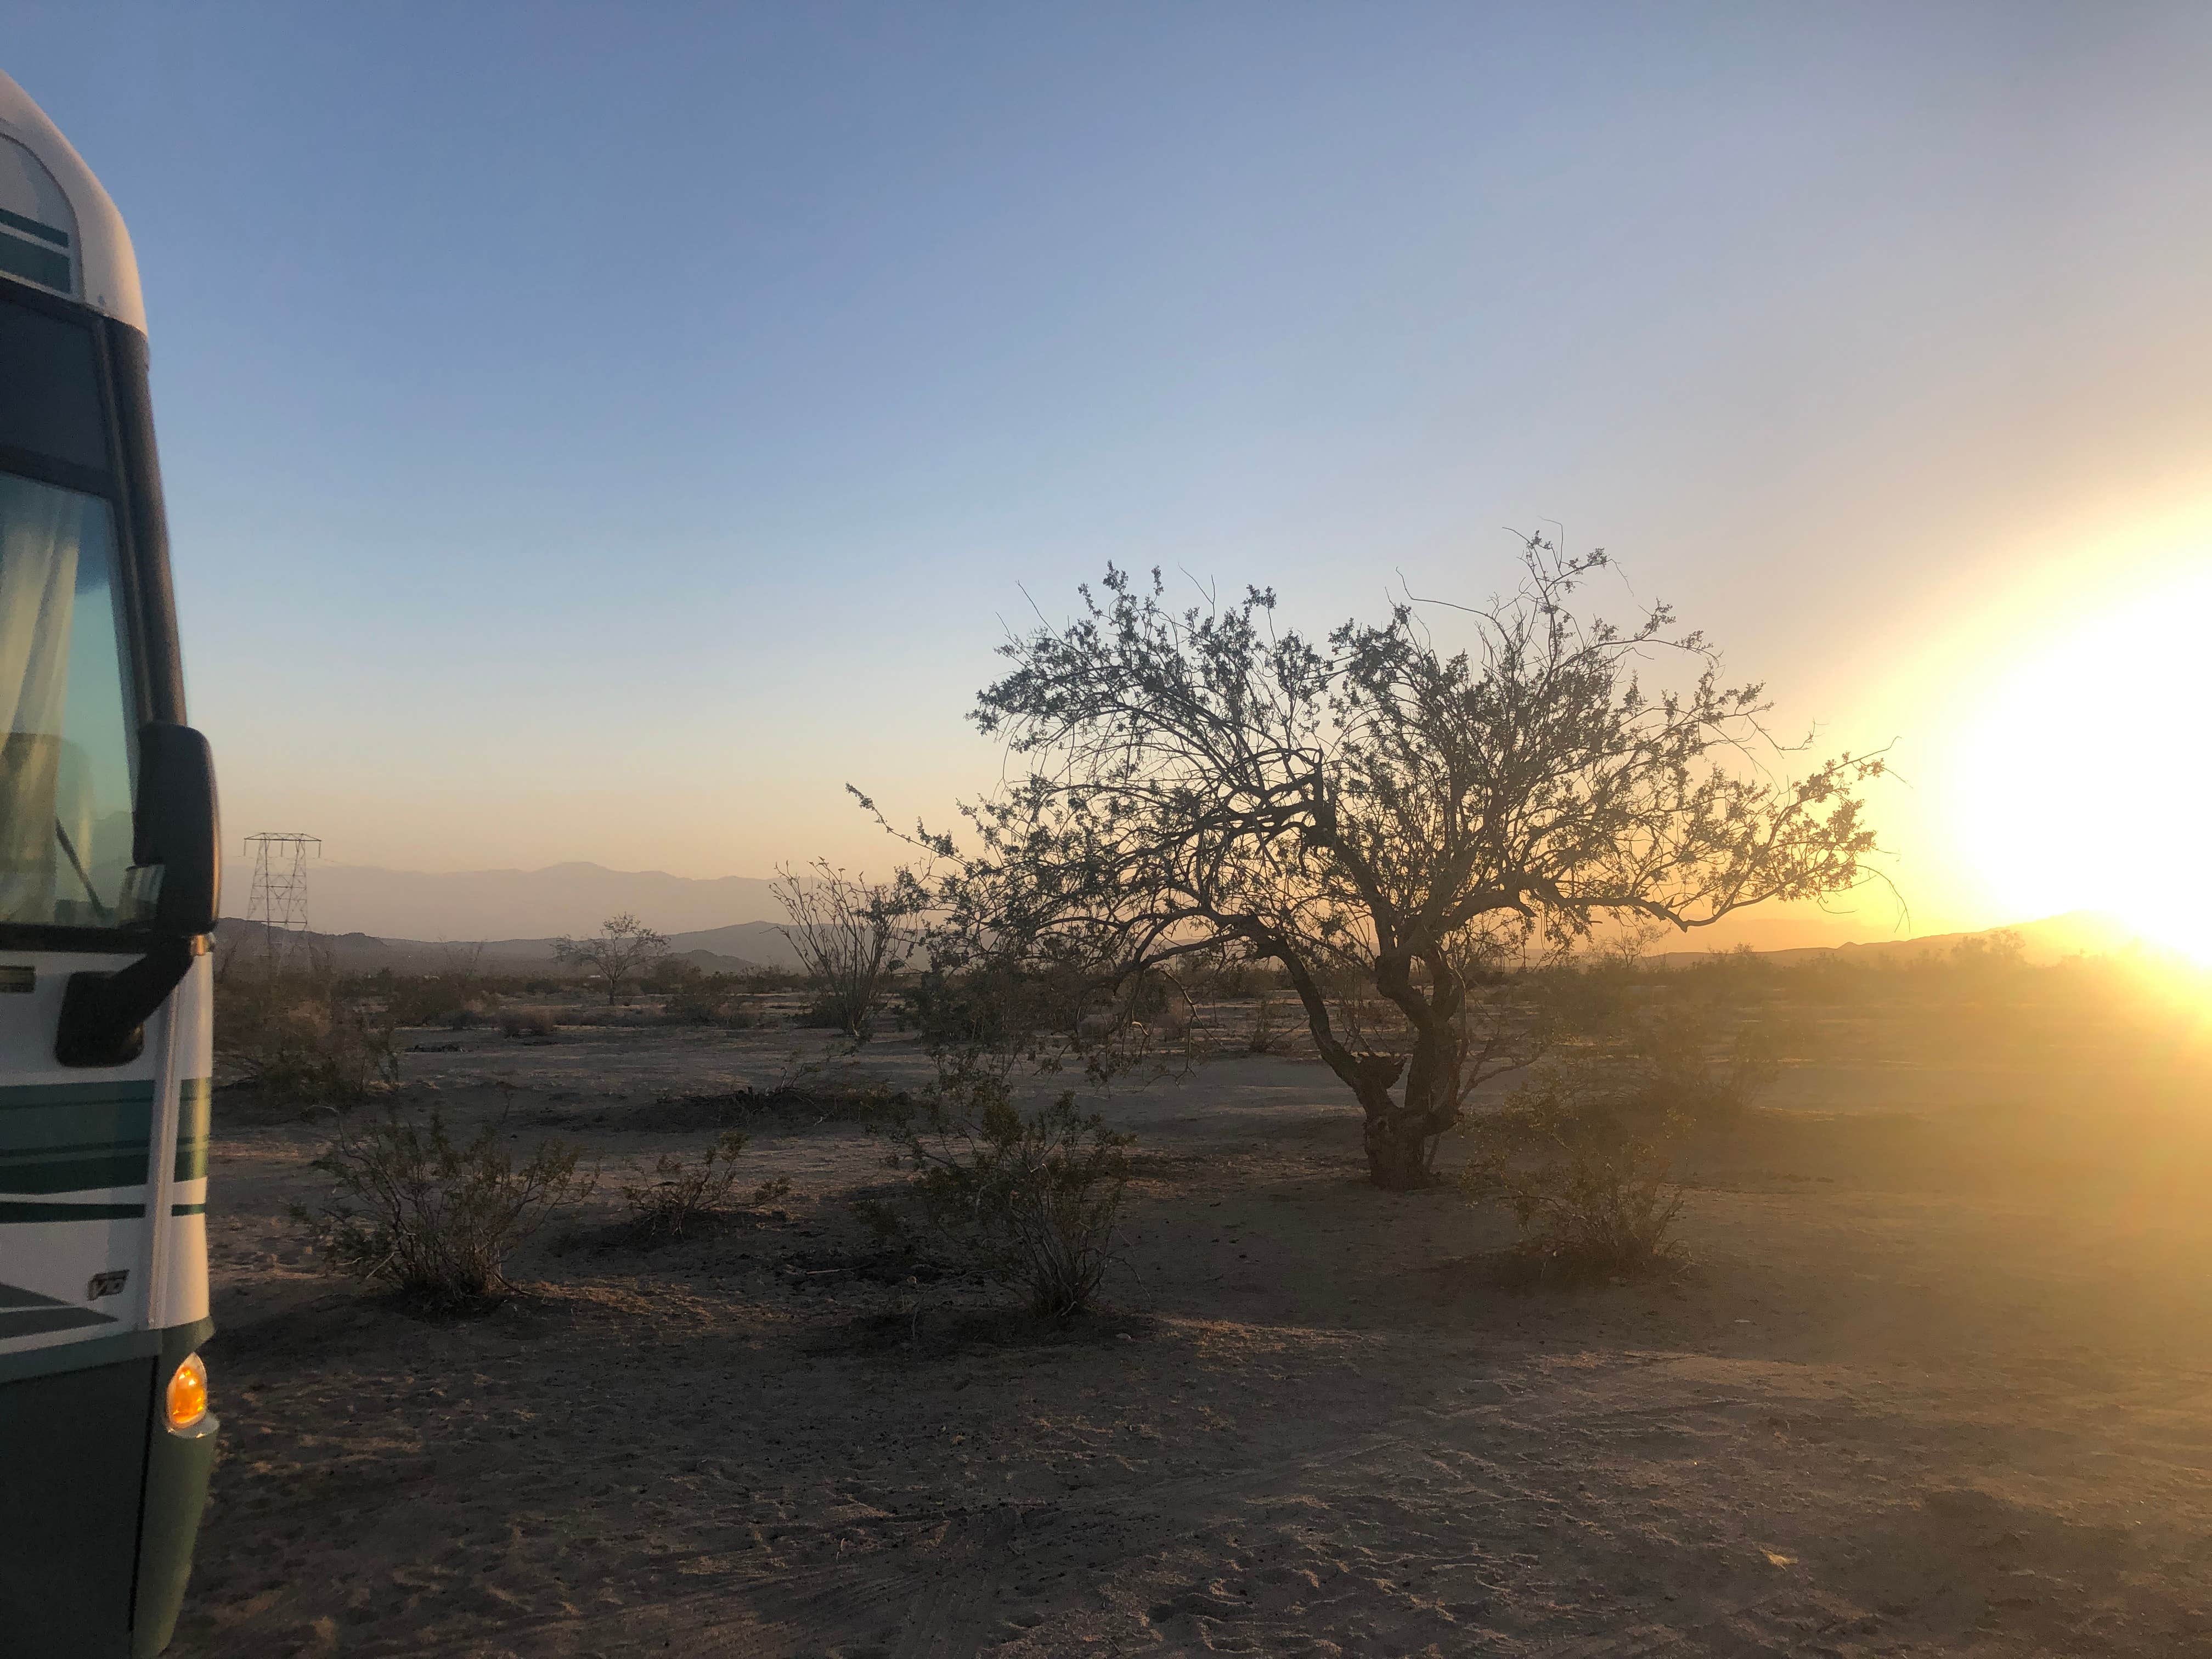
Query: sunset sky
x=601, y=433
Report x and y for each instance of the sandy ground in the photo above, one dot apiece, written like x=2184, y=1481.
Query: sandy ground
x=1937, y=1380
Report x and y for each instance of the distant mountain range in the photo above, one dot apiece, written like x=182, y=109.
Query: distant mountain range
x=408, y=920
x=522, y=908
x=2078, y=932
x=366, y=918
x=723, y=950
x=511, y=904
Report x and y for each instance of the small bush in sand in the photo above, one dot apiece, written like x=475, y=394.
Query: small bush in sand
x=533, y=1023
x=823, y=1013
x=683, y=1198
x=851, y=934
x=803, y=1100
x=1032, y=1198
x=1587, y=1177
x=1686, y=1068
x=455, y=995
x=292, y=1032
x=703, y=998
x=439, y=1219
x=431, y=1001
x=1267, y=1034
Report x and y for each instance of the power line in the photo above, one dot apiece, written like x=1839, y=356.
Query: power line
x=278, y=899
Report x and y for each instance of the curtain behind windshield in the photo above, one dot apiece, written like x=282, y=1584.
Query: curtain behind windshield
x=65, y=756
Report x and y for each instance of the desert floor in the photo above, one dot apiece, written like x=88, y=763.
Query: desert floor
x=1938, y=1379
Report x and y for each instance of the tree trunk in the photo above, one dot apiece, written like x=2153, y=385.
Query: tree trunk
x=1400, y=1134
x=1398, y=1149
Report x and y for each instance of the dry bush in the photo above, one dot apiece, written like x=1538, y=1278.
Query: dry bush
x=804, y=1100
x=433, y=1002
x=1032, y=1198
x=669, y=975
x=1269, y=1033
x=294, y=1032
x=439, y=1219
x=1164, y=1007
x=853, y=935
x=455, y=995
x=1686, y=1065
x=692, y=996
x=537, y=1023
x=1587, y=1178
x=685, y=1197
x=1582, y=1152
x=825, y=1014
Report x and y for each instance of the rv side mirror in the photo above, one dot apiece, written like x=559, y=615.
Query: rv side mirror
x=176, y=827
x=177, y=876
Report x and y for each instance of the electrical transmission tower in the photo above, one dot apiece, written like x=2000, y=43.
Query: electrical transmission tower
x=279, y=900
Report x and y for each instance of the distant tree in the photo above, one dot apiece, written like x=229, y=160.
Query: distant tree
x=851, y=934
x=1388, y=820
x=621, y=951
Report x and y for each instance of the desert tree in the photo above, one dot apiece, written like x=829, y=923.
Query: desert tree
x=1388, y=820
x=850, y=934
x=622, y=950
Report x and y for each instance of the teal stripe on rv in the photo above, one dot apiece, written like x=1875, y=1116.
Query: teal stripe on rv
x=25, y=1313
x=40, y=228
x=192, y=1118
x=40, y=264
x=73, y=1136
x=12, y=1212
x=15, y=1096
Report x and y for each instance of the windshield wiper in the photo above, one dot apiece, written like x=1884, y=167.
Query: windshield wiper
x=100, y=913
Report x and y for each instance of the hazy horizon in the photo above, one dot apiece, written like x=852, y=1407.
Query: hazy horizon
x=575, y=896
x=604, y=436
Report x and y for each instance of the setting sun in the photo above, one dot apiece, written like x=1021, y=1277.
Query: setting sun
x=2080, y=780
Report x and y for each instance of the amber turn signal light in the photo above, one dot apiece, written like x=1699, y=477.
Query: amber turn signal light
x=188, y=1398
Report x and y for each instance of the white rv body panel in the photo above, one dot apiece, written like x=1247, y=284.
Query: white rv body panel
x=104, y=271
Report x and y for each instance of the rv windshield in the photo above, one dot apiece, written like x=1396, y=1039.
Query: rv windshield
x=66, y=760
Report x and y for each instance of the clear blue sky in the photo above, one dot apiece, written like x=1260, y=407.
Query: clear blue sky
x=598, y=432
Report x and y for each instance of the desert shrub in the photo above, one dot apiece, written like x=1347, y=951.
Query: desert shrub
x=455, y=995
x=788, y=1101
x=293, y=1032
x=1587, y=1177
x=1228, y=979
x=1032, y=1198
x=824, y=1013
x=851, y=934
x=433, y=1000
x=1174, y=1021
x=671, y=975
x=996, y=1007
x=1153, y=995
x=439, y=1219
x=703, y=998
x=535, y=1023
x=685, y=1197
x=1267, y=1034
x=1681, y=1063
x=1582, y=1152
